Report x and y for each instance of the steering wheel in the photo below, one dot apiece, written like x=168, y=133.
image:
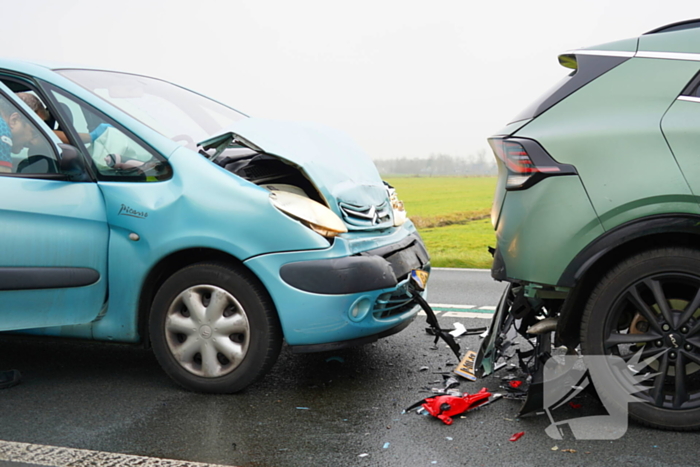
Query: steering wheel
x=189, y=142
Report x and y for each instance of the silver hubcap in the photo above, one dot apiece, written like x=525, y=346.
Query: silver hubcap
x=207, y=331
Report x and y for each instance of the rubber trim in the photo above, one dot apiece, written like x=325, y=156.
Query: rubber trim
x=381, y=268
x=46, y=278
x=664, y=223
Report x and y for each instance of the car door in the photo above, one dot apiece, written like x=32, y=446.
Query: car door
x=53, y=232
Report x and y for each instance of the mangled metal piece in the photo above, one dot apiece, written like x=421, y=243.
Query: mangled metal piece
x=516, y=315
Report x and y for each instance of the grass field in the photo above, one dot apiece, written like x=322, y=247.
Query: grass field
x=452, y=215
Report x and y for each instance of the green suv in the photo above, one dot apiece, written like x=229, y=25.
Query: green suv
x=597, y=218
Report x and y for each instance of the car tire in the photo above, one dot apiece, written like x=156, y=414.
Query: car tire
x=646, y=308
x=214, y=329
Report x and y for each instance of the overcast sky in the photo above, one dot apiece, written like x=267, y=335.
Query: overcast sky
x=403, y=78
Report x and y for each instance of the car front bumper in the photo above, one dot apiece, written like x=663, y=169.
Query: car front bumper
x=340, y=297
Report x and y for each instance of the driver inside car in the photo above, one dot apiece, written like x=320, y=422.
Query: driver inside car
x=37, y=106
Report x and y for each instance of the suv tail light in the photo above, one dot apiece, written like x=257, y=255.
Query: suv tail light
x=527, y=162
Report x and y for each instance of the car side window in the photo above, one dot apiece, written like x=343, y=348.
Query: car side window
x=116, y=155
x=24, y=149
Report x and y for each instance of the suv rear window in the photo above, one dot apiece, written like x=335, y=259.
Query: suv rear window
x=589, y=68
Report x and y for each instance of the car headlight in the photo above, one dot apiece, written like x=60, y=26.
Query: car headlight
x=316, y=216
x=396, y=206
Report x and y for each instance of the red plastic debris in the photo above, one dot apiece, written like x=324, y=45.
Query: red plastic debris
x=517, y=436
x=574, y=405
x=515, y=384
x=444, y=407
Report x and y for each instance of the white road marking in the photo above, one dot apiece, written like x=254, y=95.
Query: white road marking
x=460, y=311
x=466, y=314
x=55, y=456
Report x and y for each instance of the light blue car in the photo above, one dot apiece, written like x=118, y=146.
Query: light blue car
x=134, y=210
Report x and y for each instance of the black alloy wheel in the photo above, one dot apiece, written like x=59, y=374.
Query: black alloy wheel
x=646, y=310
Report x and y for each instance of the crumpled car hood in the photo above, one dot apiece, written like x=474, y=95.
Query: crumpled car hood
x=336, y=165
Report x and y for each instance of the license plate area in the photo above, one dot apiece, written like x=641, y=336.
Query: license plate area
x=465, y=368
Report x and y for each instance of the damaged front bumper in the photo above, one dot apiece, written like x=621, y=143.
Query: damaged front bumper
x=346, y=295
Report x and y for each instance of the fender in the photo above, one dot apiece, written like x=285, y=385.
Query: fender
x=678, y=223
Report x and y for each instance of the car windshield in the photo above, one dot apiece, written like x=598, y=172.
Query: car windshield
x=173, y=111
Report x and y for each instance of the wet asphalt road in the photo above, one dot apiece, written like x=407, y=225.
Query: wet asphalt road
x=311, y=410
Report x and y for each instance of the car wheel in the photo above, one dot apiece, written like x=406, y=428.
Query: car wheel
x=214, y=329
x=647, y=312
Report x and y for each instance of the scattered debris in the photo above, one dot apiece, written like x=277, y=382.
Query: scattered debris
x=444, y=407
x=303, y=408
x=574, y=405
x=386, y=445
x=448, y=438
x=517, y=436
x=465, y=369
x=364, y=454
x=515, y=384
x=572, y=451
x=555, y=448
x=432, y=321
x=458, y=330
x=424, y=368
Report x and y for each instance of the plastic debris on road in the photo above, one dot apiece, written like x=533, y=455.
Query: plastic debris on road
x=517, y=436
x=458, y=330
x=445, y=407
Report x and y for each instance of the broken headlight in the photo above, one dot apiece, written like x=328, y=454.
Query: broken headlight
x=396, y=206
x=314, y=215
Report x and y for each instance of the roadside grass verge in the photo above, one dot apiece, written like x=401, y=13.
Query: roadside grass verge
x=452, y=214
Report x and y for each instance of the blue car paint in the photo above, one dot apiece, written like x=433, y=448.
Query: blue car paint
x=202, y=206
x=310, y=318
x=49, y=224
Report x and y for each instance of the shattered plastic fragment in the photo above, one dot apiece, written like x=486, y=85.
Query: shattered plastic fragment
x=555, y=448
x=517, y=436
x=574, y=405
x=515, y=384
x=424, y=368
x=459, y=330
x=386, y=445
x=444, y=407
x=572, y=451
x=364, y=454
x=302, y=408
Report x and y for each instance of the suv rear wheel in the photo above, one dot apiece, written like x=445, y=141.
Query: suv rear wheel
x=214, y=329
x=647, y=309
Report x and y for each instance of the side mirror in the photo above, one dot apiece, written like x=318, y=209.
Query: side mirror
x=72, y=164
